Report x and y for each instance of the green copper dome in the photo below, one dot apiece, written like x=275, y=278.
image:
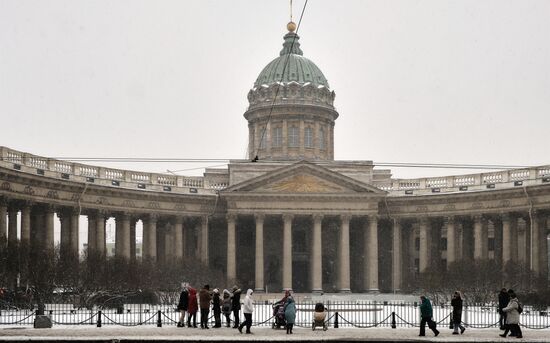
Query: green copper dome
x=298, y=68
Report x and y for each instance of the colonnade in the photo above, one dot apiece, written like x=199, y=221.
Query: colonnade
x=505, y=237
x=370, y=247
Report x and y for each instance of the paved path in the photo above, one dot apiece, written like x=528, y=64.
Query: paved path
x=148, y=333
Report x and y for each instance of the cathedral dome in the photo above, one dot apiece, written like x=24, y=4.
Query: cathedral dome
x=298, y=68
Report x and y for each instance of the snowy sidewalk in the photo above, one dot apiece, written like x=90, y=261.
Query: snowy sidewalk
x=143, y=334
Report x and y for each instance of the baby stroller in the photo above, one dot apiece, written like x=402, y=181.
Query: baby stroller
x=279, y=315
x=320, y=317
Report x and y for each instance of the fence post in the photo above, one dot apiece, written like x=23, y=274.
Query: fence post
x=99, y=318
x=159, y=319
x=393, y=324
x=336, y=320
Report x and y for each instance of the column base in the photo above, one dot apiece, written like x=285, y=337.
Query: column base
x=372, y=291
x=344, y=290
x=259, y=290
x=317, y=291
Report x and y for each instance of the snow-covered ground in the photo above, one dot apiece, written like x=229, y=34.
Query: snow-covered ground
x=111, y=333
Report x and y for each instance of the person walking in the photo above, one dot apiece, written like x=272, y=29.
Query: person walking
x=216, y=308
x=456, y=303
x=204, y=298
x=192, y=307
x=236, y=305
x=248, y=308
x=183, y=304
x=503, y=300
x=290, y=314
x=226, y=307
x=426, y=314
x=512, y=310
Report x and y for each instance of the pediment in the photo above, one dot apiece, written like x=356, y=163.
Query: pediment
x=303, y=178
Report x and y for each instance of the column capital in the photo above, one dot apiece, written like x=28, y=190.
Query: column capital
x=152, y=217
x=288, y=217
x=259, y=217
x=346, y=218
x=449, y=220
x=178, y=220
x=3, y=201
x=317, y=217
x=506, y=216
x=424, y=221
x=231, y=217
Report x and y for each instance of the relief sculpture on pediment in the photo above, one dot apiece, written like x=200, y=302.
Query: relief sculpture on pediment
x=303, y=184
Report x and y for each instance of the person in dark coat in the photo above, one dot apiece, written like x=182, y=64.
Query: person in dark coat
x=192, y=307
x=456, y=303
x=183, y=304
x=236, y=305
x=426, y=314
x=503, y=300
x=216, y=308
x=226, y=307
x=204, y=302
x=290, y=314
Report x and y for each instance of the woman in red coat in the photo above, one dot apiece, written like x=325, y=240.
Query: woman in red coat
x=193, y=307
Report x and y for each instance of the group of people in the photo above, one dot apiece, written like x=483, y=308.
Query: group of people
x=227, y=303
x=509, y=309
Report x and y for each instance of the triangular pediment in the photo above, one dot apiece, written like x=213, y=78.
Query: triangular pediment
x=303, y=178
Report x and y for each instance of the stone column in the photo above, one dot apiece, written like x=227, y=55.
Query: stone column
x=514, y=238
x=178, y=238
x=133, y=238
x=259, y=267
x=231, y=249
x=25, y=224
x=343, y=255
x=424, y=254
x=122, y=244
x=497, y=225
x=544, y=249
x=478, y=237
x=65, y=234
x=151, y=237
x=535, y=239
x=373, y=254
x=91, y=233
x=287, y=252
x=168, y=240
x=12, y=226
x=3, y=220
x=397, y=258
x=451, y=240
x=317, y=255
x=100, y=234
x=506, y=239
x=74, y=224
x=204, y=240
x=48, y=225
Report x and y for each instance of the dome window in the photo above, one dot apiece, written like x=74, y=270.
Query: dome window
x=277, y=137
x=322, y=139
x=293, y=137
x=308, y=137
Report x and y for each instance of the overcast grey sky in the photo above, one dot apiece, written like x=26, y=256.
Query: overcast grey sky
x=415, y=81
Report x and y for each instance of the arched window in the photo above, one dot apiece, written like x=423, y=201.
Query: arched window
x=277, y=137
x=293, y=136
x=308, y=137
x=322, y=139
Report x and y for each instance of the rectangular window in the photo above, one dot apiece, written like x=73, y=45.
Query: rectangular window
x=322, y=139
x=262, y=138
x=293, y=136
x=417, y=244
x=308, y=137
x=277, y=137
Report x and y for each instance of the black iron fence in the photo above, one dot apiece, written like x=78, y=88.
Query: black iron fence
x=360, y=314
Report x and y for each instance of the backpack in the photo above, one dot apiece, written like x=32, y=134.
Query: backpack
x=226, y=306
x=520, y=308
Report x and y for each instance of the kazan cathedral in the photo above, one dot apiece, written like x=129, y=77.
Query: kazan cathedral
x=290, y=216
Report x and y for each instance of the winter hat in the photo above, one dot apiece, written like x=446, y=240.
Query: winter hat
x=225, y=291
x=235, y=288
x=216, y=290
